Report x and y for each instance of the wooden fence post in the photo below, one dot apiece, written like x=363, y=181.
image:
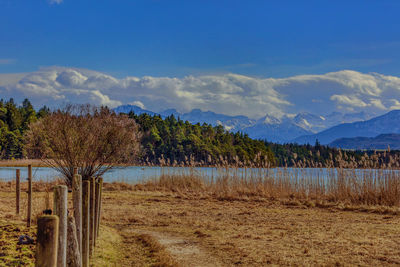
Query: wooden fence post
x=73, y=255
x=92, y=209
x=29, y=217
x=47, y=241
x=99, y=208
x=61, y=210
x=96, y=212
x=77, y=203
x=17, y=188
x=85, y=222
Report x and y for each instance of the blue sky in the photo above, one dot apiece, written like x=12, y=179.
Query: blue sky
x=178, y=38
x=232, y=57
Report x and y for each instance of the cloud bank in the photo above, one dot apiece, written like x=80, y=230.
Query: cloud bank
x=232, y=94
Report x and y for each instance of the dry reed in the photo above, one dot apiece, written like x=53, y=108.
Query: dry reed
x=343, y=184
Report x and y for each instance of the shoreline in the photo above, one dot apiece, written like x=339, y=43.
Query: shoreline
x=22, y=163
x=38, y=163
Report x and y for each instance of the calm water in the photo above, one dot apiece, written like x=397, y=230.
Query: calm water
x=135, y=174
x=132, y=174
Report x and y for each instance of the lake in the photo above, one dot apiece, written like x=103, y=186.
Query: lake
x=131, y=174
x=136, y=174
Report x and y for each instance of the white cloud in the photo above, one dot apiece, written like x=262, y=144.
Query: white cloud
x=70, y=78
x=395, y=104
x=377, y=103
x=351, y=100
x=97, y=97
x=138, y=104
x=229, y=93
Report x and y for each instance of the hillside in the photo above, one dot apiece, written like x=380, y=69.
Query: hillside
x=381, y=141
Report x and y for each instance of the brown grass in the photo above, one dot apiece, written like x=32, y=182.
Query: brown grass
x=113, y=247
x=37, y=186
x=251, y=219
x=161, y=257
x=258, y=232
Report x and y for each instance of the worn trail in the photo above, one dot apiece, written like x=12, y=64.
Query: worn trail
x=185, y=251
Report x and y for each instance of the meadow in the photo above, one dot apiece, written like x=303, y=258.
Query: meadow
x=240, y=216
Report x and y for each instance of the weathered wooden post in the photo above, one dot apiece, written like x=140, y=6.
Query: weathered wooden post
x=77, y=203
x=85, y=222
x=92, y=213
x=29, y=217
x=99, y=210
x=73, y=254
x=96, y=212
x=17, y=188
x=61, y=210
x=47, y=241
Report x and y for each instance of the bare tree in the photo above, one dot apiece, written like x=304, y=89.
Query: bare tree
x=92, y=139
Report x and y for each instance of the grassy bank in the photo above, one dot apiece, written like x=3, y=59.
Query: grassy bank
x=260, y=231
x=162, y=223
x=239, y=216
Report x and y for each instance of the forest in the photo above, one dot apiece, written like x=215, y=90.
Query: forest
x=14, y=121
x=172, y=141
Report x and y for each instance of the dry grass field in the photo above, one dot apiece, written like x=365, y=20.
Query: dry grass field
x=149, y=226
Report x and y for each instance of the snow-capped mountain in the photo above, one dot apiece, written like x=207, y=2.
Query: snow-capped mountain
x=275, y=132
x=310, y=122
x=268, y=119
x=384, y=124
x=274, y=129
x=230, y=123
x=317, y=123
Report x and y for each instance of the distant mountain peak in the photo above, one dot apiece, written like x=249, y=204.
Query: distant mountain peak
x=269, y=119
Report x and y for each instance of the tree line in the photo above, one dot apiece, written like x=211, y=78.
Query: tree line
x=322, y=156
x=172, y=141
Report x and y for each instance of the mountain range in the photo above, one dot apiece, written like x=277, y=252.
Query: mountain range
x=302, y=128
x=384, y=124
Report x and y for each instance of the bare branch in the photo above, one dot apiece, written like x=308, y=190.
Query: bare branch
x=93, y=139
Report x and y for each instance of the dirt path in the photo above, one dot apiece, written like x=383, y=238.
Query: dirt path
x=186, y=252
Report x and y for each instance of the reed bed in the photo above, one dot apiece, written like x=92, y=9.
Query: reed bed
x=372, y=180
x=378, y=183
x=352, y=186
